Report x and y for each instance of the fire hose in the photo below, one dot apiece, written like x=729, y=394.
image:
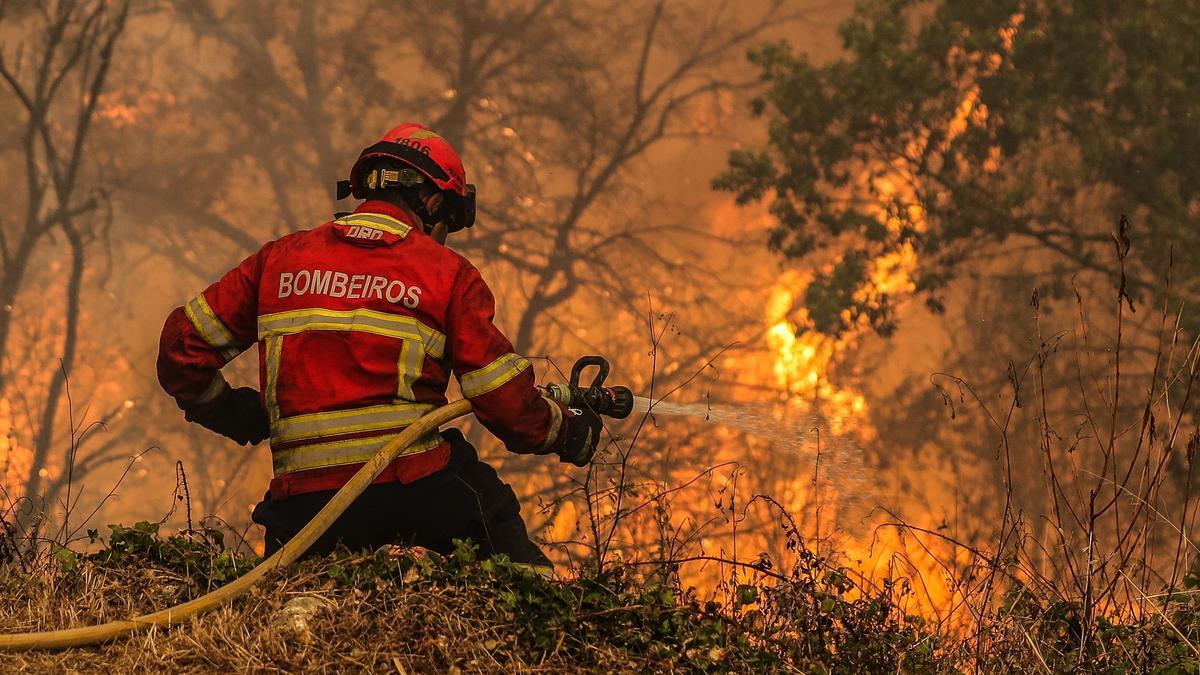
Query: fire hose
x=614, y=402
x=288, y=554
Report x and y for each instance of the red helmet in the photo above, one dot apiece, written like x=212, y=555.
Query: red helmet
x=430, y=154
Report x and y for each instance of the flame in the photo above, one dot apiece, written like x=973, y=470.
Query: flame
x=802, y=362
x=804, y=359
x=15, y=459
x=934, y=594
x=125, y=108
x=564, y=522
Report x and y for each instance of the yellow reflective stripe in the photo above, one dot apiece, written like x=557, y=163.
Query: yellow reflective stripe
x=377, y=221
x=364, y=320
x=210, y=328
x=325, y=424
x=493, y=375
x=408, y=366
x=274, y=347
x=555, y=426
x=435, y=342
x=214, y=389
x=336, y=453
x=358, y=320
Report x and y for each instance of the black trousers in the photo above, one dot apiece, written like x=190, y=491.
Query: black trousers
x=465, y=500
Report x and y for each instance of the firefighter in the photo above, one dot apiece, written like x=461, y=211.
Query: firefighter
x=359, y=323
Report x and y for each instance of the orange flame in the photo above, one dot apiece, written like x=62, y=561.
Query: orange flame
x=14, y=459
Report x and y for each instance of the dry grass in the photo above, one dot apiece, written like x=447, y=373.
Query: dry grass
x=371, y=615
x=405, y=611
x=434, y=629
x=431, y=630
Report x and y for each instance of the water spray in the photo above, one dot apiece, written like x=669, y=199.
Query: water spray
x=809, y=437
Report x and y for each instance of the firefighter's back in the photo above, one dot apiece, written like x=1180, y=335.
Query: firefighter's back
x=351, y=323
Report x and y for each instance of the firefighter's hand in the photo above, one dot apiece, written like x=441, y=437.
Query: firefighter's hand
x=583, y=427
x=237, y=414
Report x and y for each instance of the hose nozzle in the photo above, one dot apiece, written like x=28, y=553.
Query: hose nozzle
x=615, y=402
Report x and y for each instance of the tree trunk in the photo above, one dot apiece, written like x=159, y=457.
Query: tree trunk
x=58, y=386
x=10, y=286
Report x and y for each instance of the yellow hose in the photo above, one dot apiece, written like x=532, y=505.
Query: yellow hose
x=289, y=553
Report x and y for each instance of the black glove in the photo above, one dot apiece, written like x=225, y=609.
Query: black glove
x=237, y=414
x=583, y=427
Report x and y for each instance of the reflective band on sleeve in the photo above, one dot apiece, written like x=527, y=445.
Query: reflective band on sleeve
x=377, y=221
x=435, y=342
x=556, y=419
x=210, y=328
x=359, y=320
x=326, y=424
x=214, y=389
x=493, y=375
x=336, y=453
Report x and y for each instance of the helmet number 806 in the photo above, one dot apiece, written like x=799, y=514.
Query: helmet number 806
x=414, y=145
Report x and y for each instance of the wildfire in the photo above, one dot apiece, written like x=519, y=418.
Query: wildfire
x=804, y=358
x=802, y=363
x=125, y=108
x=14, y=459
x=805, y=364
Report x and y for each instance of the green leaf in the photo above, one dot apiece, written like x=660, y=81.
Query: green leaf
x=67, y=560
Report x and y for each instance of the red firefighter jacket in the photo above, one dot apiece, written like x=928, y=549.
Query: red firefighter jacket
x=359, y=324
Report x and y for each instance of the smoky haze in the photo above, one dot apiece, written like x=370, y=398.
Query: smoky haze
x=146, y=150
x=219, y=126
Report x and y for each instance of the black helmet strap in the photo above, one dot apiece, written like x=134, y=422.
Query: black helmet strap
x=457, y=210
